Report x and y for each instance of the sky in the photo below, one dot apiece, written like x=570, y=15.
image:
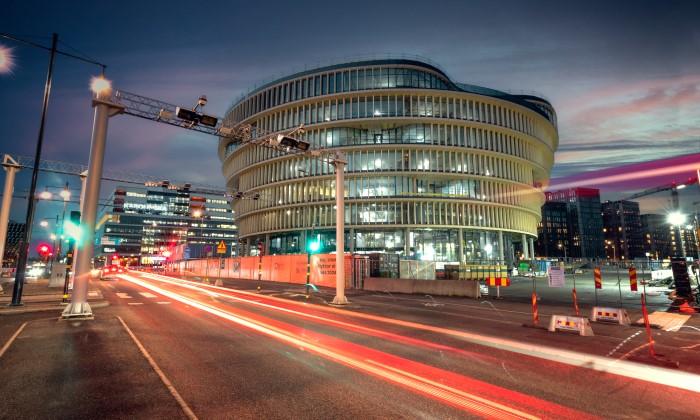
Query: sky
x=623, y=76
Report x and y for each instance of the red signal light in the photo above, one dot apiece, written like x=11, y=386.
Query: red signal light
x=44, y=249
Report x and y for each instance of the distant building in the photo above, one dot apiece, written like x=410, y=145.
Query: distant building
x=659, y=236
x=553, y=231
x=143, y=226
x=664, y=240
x=15, y=231
x=586, y=222
x=623, y=232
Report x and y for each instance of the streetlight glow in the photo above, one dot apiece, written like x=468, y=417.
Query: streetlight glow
x=676, y=218
x=100, y=85
x=5, y=59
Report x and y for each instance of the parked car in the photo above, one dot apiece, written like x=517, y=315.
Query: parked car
x=656, y=287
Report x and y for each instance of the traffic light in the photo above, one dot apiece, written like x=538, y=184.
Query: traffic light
x=44, y=249
x=72, y=228
x=313, y=245
x=282, y=141
x=195, y=117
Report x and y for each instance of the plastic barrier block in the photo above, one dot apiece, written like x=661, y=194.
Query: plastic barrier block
x=571, y=323
x=616, y=315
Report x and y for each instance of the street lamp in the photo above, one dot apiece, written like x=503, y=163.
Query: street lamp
x=29, y=220
x=199, y=215
x=561, y=246
x=677, y=219
x=104, y=109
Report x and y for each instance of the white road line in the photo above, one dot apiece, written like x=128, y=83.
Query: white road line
x=9, y=342
x=124, y=295
x=148, y=295
x=185, y=408
x=135, y=303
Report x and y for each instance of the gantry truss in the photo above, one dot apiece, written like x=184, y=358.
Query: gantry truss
x=111, y=175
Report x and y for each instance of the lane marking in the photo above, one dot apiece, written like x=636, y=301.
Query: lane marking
x=9, y=342
x=185, y=408
x=124, y=295
x=135, y=303
x=148, y=295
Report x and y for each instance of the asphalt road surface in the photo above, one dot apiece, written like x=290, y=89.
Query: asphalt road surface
x=193, y=350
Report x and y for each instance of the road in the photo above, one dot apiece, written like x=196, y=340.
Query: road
x=240, y=354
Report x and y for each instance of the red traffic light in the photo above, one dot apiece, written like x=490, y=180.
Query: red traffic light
x=44, y=249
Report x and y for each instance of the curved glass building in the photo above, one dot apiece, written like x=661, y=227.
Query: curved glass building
x=437, y=170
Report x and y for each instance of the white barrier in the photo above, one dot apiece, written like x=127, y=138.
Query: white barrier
x=571, y=323
x=616, y=315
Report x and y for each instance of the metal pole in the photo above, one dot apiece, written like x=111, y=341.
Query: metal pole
x=59, y=248
x=79, y=306
x=339, y=163
x=24, y=243
x=55, y=248
x=69, y=266
x=11, y=168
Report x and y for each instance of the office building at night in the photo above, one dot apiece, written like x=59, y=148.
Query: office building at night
x=586, y=223
x=623, y=233
x=144, y=225
x=436, y=169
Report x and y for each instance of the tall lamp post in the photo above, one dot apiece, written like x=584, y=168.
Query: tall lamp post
x=104, y=108
x=561, y=246
x=612, y=245
x=677, y=219
x=29, y=219
x=20, y=276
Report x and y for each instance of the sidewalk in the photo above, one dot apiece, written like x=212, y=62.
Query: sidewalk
x=37, y=296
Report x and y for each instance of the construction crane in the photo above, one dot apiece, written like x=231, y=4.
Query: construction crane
x=673, y=186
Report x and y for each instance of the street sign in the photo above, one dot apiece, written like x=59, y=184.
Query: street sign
x=555, y=275
x=221, y=248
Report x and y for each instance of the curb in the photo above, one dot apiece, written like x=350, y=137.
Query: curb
x=43, y=307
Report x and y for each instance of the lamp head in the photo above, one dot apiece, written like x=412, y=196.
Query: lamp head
x=101, y=86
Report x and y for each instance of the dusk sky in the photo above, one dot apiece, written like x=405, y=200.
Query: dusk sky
x=623, y=76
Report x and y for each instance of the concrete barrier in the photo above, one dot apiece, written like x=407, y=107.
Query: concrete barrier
x=466, y=288
x=616, y=315
x=571, y=323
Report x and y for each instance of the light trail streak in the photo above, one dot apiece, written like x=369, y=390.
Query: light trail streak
x=649, y=373
x=325, y=320
x=445, y=386
x=627, y=176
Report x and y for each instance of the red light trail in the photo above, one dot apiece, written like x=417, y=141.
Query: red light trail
x=450, y=388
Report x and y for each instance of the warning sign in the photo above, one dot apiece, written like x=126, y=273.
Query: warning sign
x=221, y=248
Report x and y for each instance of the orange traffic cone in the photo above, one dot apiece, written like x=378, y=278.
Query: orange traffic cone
x=686, y=309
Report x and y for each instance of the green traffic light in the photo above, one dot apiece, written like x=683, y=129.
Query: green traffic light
x=314, y=246
x=72, y=230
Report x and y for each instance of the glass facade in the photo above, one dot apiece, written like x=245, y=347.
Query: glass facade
x=140, y=224
x=436, y=169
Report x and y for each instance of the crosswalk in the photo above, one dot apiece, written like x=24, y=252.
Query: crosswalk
x=667, y=321
x=146, y=295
